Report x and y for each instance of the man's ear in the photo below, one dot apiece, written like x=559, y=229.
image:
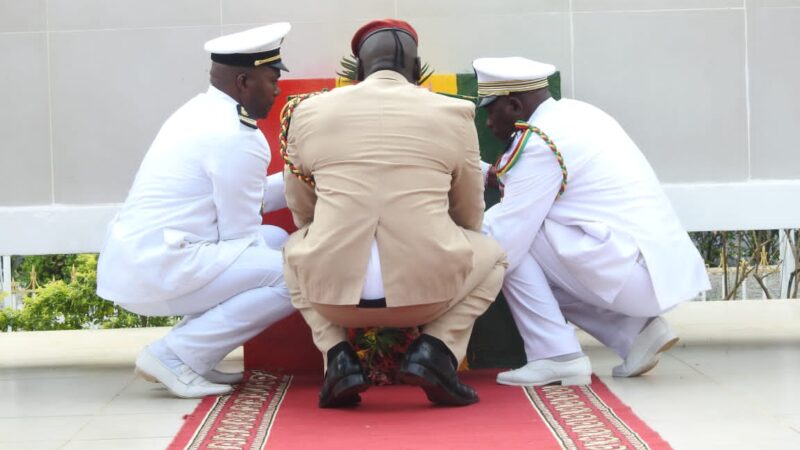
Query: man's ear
x=417, y=73
x=516, y=108
x=241, y=81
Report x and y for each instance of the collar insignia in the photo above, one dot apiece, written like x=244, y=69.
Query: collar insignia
x=245, y=118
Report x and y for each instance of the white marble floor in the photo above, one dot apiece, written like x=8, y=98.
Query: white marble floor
x=732, y=383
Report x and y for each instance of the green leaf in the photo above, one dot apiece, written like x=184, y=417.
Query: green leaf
x=71, y=302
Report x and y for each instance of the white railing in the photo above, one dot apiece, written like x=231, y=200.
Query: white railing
x=751, y=205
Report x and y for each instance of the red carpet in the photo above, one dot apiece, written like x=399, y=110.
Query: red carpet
x=277, y=412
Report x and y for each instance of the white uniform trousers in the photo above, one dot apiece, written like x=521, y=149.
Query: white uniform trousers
x=542, y=296
x=245, y=299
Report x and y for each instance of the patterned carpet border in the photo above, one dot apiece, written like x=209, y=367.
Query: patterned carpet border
x=241, y=420
x=574, y=417
x=591, y=417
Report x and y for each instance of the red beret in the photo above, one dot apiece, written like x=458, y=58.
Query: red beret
x=379, y=25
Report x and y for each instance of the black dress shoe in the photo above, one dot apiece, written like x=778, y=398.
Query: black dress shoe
x=344, y=379
x=428, y=363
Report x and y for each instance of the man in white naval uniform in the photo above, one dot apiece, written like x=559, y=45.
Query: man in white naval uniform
x=189, y=241
x=589, y=233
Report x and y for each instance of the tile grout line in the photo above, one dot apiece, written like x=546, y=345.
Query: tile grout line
x=748, y=125
x=16, y=33
x=98, y=413
x=572, y=49
x=152, y=28
x=658, y=10
x=130, y=382
x=50, y=105
x=685, y=363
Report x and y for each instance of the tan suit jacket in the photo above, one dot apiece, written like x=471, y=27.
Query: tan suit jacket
x=392, y=161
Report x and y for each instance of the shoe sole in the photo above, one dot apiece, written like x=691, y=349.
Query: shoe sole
x=437, y=392
x=146, y=376
x=668, y=345
x=656, y=358
x=345, y=392
x=150, y=378
x=577, y=380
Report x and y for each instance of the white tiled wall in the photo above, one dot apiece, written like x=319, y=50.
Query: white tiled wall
x=80, y=15
x=25, y=166
x=675, y=79
x=111, y=91
x=22, y=15
x=449, y=44
x=316, y=11
x=774, y=48
x=708, y=88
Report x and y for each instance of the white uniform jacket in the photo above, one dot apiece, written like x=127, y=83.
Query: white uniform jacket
x=612, y=212
x=194, y=206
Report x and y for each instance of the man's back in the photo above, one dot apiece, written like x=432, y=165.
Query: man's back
x=193, y=208
x=611, y=183
x=392, y=162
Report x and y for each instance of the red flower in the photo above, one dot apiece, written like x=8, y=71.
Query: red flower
x=380, y=350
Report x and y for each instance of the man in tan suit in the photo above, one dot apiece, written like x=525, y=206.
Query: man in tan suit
x=396, y=165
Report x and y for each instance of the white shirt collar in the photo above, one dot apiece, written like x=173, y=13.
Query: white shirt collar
x=387, y=74
x=542, y=108
x=216, y=93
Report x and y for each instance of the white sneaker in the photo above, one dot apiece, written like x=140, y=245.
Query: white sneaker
x=577, y=371
x=186, y=384
x=215, y=376
x=655, y=338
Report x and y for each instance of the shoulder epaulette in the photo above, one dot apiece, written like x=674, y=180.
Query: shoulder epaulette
x=245, y=118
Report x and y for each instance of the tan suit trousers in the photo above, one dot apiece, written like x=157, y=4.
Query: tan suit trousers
x=449, y=321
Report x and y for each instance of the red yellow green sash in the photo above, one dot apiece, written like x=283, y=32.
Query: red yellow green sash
x=285, y=119
x=527, y=130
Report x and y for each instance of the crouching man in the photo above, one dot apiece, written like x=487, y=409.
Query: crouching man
x=590, y=236
x=189, y=241
x=396, y=173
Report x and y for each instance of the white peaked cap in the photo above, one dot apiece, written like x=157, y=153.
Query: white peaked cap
x=250, y=48
x=502, y=76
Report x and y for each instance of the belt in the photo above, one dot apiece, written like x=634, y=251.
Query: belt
x=377, y=303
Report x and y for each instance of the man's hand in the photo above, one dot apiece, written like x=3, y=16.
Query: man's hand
x=491, y=178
